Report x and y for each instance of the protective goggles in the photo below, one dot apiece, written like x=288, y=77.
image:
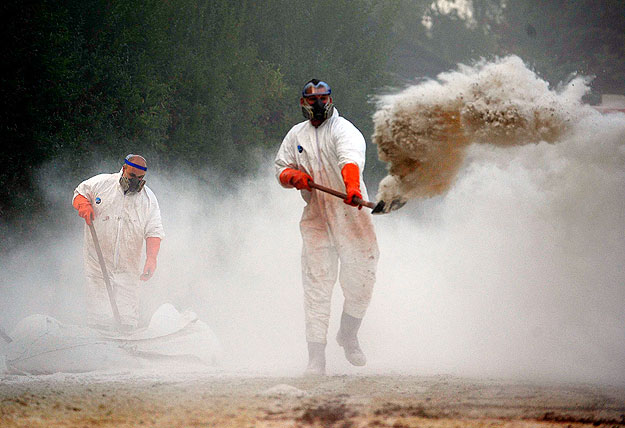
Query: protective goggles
x=309, y=88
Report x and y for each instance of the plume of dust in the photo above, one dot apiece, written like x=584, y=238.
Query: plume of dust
x=423, y=132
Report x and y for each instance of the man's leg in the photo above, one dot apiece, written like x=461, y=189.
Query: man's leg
x=98, y=307
x=99, y=310
x=359, y=258
x=126, y=290
x=319, y=272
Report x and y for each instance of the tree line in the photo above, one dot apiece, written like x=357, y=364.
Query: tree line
x=214, y=83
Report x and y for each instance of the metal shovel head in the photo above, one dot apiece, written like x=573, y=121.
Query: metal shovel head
x=384, y=208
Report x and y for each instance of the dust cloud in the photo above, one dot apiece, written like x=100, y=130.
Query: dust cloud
x=510, y=263
x=514, y=271
x=423, y=131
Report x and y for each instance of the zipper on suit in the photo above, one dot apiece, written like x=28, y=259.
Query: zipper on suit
x=318, y=150
x=320, y=173
x=119, y=228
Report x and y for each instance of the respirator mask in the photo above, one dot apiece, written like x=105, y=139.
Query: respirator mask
x=132, y=184
x=318, y=110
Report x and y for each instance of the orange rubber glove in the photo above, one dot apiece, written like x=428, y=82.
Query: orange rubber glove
x=351, y=178
x=152, y=245
x=85, y=210
x=296, y=178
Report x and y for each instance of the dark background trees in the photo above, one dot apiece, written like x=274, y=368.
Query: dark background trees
x=215, y=83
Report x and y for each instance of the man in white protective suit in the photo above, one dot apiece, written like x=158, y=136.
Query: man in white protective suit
x=124, y=213
x=328, y=150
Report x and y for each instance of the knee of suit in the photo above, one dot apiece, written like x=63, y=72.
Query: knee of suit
x=357, y=289
x=356, y=309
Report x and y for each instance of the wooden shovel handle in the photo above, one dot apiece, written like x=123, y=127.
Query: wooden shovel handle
x=341, y=195
x=107, y=282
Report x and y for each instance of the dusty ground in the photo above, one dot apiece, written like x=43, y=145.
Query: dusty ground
x=218, y=400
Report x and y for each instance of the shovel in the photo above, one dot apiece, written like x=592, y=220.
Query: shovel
x=375, y=208
x=109, y=289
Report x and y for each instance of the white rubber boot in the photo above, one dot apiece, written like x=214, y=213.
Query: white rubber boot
x=347, y=338
x=316, y=359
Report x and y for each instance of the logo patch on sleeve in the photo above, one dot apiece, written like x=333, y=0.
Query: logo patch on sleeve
x=300, y=149
x=98, y=200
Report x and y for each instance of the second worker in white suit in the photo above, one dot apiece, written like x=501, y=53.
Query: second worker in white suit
x=330, y=150
x=126, y=214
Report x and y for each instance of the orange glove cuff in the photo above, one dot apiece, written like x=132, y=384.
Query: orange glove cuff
x=152, y=246
x=351, y=177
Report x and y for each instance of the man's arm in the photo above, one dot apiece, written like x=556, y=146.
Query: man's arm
x=285, y=164
x=154, y=233
x=85, y=210
x=81, y=202
x=152, y=246
x=350, y=149
x=350, y=144
x=351, y=178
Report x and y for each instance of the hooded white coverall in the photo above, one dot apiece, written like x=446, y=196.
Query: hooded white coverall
x=122, y=223
x=331, y=230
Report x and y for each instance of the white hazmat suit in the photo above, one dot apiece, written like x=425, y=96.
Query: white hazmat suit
x=122, y=223
x=331, y=230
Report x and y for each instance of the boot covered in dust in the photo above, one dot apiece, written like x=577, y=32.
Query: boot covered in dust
x=316, y=359
x=347, y=338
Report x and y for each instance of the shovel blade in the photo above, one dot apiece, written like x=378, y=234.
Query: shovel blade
x=384, y=207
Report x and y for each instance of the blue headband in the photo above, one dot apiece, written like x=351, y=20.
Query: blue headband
x=142, y=168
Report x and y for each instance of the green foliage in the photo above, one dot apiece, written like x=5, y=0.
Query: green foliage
x=201, y=83
x=344, y=43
